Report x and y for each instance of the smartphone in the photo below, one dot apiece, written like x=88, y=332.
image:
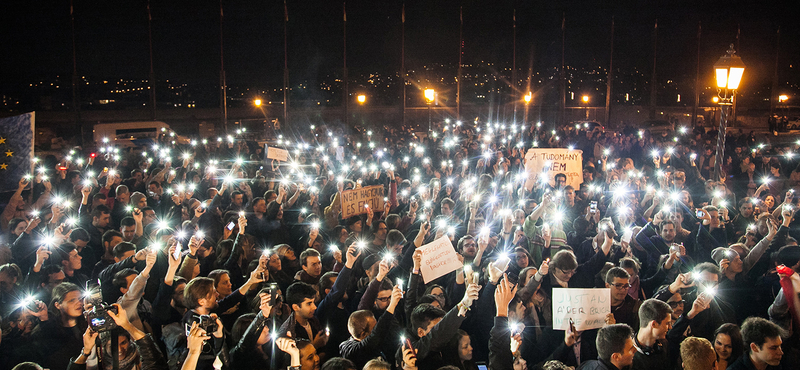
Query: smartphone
x=593, y=206
x=627, y=235
x=482, y=366
x=230, y=226
x=699, y=213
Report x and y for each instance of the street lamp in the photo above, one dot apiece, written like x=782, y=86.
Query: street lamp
x=361, y=98
x=257, y=102
x=783, y=98
x=430, y=96
x=728, y=70
x=527, y=98
x=585, y=100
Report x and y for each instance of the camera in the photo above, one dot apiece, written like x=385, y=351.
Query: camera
x=207, y=323
x=99, y=319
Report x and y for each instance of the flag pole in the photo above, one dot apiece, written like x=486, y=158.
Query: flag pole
x=76, y=108
x=223, y=85
x=285, y=64
x=346, y=96
x=152, y=73
x=403, y=58
x=610, y=77
x=460, y=56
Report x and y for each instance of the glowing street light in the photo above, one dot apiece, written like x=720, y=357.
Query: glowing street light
x=528, y=97
x=430, y=96
x=783, y=98
x=585, y=98
x=728, y=70
x=257, y=102
x=361, y=98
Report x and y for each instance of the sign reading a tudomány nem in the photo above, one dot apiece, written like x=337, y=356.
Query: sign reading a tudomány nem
x=586, y=307
x=353, y=201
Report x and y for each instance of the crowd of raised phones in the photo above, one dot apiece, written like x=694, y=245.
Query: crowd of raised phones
x=209, y=255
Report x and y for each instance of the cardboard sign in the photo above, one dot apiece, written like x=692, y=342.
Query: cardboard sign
x=547, y=162
x=586, y=307
x=353, y=201
x=277, y=153
x=438, y=259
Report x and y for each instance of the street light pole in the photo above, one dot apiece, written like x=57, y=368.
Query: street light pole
x=728, y=70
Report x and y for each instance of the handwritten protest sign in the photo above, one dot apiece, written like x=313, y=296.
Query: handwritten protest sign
x=277, y=153
x=438, y=258
x=586, y=307
x=547, y=162
x=353, y=201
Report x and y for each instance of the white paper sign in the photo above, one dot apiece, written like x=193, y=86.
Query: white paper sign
x=547, y=162
x=438, y=258
x=277, y=153
x=586, y=307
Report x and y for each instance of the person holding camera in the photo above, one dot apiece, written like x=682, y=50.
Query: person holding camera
x=59, y=337
x=143, y=353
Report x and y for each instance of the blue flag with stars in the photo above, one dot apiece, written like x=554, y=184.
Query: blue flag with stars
x=16, y=149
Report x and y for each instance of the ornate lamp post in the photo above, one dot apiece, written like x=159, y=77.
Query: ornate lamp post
x=728, y=71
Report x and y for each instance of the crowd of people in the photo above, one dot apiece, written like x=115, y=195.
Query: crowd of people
x=209, y=255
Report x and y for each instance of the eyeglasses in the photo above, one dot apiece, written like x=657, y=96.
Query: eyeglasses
x=622, y=286
x=567, y=272
x=384, y=299
x=674, y=304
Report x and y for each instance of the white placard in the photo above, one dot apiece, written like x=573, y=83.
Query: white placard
x=438, y=258
x=586, y=307
x=548, y=162
x=277, y=153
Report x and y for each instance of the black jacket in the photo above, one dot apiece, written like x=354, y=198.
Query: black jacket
x=149, y=355
x=245, y=354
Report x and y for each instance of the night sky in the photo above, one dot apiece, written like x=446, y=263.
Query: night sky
x=112, y=37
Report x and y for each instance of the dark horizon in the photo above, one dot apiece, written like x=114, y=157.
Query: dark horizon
x=112, y=39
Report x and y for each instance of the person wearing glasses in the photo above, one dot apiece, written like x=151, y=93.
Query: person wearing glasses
x=624, y=308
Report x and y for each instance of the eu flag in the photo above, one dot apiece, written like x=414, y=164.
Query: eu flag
x=16, y=149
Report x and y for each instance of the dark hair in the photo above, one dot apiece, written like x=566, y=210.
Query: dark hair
x=62, y=252
x=240, y=326
x=197, y=289
x=616, y=272
x=14, y=222
x=611, y=339
x=121, y=277
x=122, y=248
x=423, y=314
x=79, y=234
x=395, y=237
x=339, y=363
x=326, y=281
x=706, y=267
x=460, y=245
x=127, y=221
x=653, y=310
x=58, y=296
x=737, y=344
x=217, y=275
x=299, y=292
x=273, y=208
x=308, y=253
x=629, y=263
x=27, y=366
x=564, y=260
x=788, y=255
x=46, y=271
x=99, y=211
x=756, y=330
x=110, y=234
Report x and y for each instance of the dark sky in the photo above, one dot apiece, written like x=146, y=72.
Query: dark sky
x=112, y=36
